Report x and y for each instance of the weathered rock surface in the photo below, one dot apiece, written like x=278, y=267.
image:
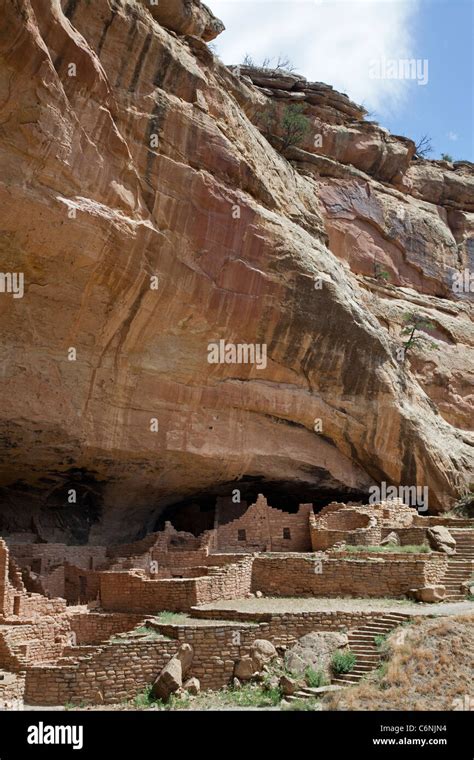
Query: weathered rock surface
x=441, y=539
x=262, y=652
x=288, y=685
x=314, y=651
x=391, y=540
x=170, y=680
x=192, y=686
x=186, y=17
x=429, y=594
x=245, y=669
x=128, y=152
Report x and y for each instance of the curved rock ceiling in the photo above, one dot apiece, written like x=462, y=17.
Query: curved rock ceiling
x=151, y=218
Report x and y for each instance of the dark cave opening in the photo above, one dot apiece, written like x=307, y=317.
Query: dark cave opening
x=199, y=512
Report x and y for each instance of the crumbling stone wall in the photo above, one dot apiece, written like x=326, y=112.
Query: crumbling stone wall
x=14, y=599
x=4, y=586
x=39, y=640
x=12, y=687
x=97, y=627
x=115, y=672
x=358, y=524
x=263, y=528
x=132, y=591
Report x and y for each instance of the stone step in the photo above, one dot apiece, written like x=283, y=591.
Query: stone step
x=457, y=574
x=363, y=637
x=457, y=571
x=357, y=678
x=364, y=667
x=359, y=646
x=348, y=678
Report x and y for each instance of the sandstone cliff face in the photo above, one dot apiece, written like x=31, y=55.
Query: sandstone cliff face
x=128, y=152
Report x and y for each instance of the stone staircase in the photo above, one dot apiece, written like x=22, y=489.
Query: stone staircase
x=460, y=565
x=362, y=643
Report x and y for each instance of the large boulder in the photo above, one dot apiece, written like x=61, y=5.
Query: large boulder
x=244, y=669
x=441, y=539
x=192, y=686
x=391, y=540
x=288, y=685
x=262, y=652
x=185, y=655
x=429, y=594
x=170, y=679
x=314, y=651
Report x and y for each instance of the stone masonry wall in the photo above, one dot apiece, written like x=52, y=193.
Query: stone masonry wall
x=132, y=591
x=33, y=642
x=12, y=687
x=263, y=528
x=113, y=673
x=310, y=576
x=14, y=599
x=97, y=627
x=4, y=589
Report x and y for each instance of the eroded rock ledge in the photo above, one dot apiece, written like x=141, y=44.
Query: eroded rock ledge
x=134, y=168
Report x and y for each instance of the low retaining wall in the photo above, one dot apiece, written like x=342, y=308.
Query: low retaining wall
x=114, y=673
x=286, y=628
x=97, y=627
x=310, y=576
x=129, y=591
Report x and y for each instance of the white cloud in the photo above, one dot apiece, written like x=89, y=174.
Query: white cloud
x=330, y=41
x=452, y=136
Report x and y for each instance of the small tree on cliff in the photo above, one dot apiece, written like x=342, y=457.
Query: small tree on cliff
x=424, y=147
x=414, y=324
x=291, y=126
x=379, y=272
x=294, y=125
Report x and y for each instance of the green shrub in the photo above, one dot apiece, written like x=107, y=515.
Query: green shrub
x=144, y=698
x=415, y=325
x=343, y=662
x=253, y=695
x=292, y=124
x=315, y=678
x=165, y=616
x=380, y=640
x=295, y=125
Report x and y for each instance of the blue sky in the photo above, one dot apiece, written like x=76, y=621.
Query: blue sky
x=338, y=41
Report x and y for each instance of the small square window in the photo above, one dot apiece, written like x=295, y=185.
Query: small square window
x=242, y=535
x=286, y=533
